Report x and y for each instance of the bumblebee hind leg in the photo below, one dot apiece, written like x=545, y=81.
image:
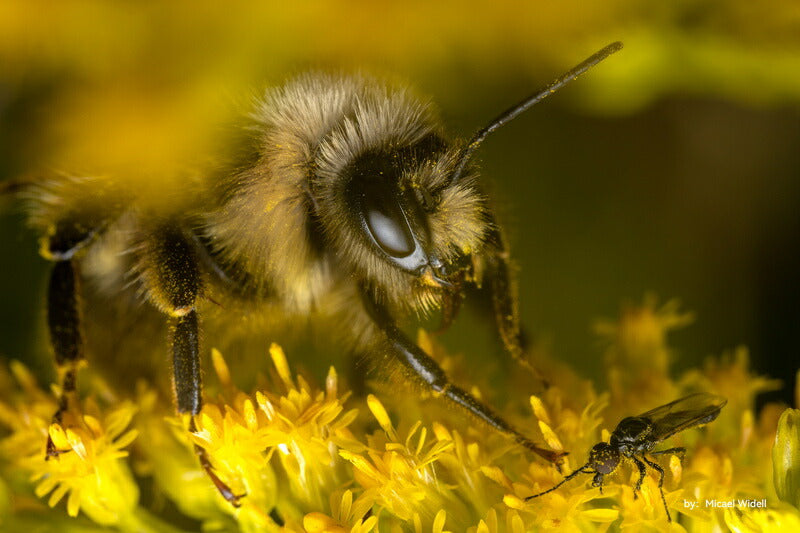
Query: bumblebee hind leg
x=63, y=320
x=62, y=242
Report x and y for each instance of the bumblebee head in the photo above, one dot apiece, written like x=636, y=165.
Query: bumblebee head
x=408, y=215
x=389, y=208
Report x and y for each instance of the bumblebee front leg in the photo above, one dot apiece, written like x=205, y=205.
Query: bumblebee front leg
x=175, y=284
x=430, y=375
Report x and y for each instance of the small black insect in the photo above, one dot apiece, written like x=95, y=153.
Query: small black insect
x=635, y=436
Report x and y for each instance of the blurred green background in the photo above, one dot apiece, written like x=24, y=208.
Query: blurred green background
x=673, y=167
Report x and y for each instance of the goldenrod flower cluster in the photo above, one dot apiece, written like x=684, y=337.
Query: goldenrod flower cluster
x=308, y=457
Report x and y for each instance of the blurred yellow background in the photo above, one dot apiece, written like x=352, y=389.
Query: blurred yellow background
x=672, y=167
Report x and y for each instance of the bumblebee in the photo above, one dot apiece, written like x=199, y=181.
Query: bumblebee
x=347, y=201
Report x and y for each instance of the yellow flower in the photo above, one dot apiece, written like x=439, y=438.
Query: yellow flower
x=302, y=462
x=347, y=516
x=306, y=427
x=639, y=337
x=90, y=468
x=301, y=430
x=638, y=357
x=166, y=456
x=400, y=475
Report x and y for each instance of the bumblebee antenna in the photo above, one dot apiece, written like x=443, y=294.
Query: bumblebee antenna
x=551, y=489
x=516, y=110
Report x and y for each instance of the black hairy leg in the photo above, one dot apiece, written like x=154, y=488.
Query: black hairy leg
x=173, y=270
x=657, y=468
x=642, y=473
x=63, y=241
x=598, y=480
x=63, y=321
x=175, y=285
x=185, y=343
x=431, y=376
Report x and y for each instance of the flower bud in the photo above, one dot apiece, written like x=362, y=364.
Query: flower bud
x=786, y=457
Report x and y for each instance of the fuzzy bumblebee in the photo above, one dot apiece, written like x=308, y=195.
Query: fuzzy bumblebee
x=345, y=199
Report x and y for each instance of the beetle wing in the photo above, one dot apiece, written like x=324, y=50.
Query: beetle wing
x=683, y=413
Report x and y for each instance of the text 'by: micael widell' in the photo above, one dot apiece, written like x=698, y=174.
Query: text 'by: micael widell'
x=721, y=504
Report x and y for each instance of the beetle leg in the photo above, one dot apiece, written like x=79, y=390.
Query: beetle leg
x=582, y=470
x=597, y=481
x=430, y=375
x=657, y=468
x=642, y=472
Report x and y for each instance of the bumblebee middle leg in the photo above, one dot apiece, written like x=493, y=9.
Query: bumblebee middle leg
x=174, y=283
x=172, y=279
x=430, y=375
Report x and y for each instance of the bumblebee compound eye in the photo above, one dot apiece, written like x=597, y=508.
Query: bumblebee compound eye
x=388, y=217
x=385, y=221
x=603, y=458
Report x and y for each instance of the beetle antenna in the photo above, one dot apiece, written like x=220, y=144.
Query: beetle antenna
x=516, y=110
x=551, y=489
